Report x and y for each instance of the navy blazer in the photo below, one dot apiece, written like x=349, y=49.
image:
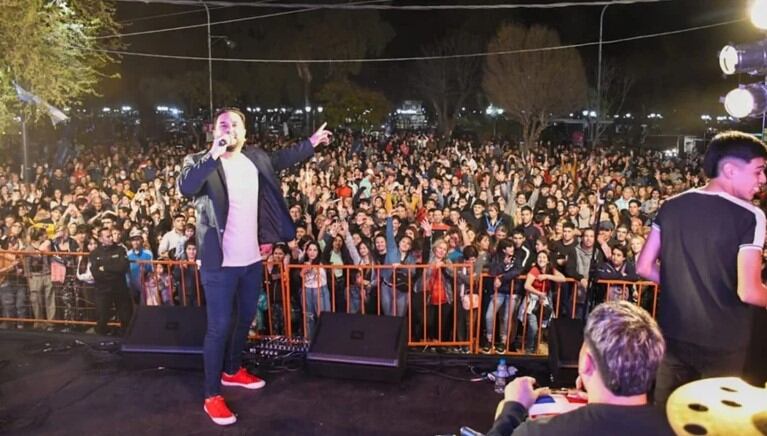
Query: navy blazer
x=202, y=178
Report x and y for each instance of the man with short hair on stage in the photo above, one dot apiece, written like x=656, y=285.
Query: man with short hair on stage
x=622, y=348
x=709, y=243
x=239, y=206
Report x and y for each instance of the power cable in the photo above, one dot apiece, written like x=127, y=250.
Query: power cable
x=347, y=6
x=416, y=58
x=215, y=23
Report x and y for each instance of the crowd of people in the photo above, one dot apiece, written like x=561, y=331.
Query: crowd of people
x=476, y=217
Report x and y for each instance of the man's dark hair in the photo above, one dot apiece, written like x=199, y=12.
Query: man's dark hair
x=731, y=144
x=503, y=244
x=469, y=251
x=179, y=215
x=635, y=201
x=526, y=208
x=568, y=225
x=190, y=242
x=223, y=110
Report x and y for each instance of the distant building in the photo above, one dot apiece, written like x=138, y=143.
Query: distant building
x=411, y=115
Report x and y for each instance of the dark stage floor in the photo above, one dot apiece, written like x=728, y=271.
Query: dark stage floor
x=57, y=384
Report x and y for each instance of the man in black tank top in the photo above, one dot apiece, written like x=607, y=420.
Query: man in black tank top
x=709, y=242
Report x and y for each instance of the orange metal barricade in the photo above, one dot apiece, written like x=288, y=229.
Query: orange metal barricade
x=514, y=332
x=634, y=291
x=339, y=288
x=42, y=290
x=288, y=307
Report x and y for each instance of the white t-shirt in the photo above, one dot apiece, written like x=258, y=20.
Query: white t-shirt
x=240, y=240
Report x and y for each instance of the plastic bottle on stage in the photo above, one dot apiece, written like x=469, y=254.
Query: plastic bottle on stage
x=500, y=376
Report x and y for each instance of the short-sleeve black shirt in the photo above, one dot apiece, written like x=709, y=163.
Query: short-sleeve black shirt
x=701, y=235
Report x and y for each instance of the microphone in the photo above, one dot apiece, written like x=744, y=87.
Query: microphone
x=223, y=142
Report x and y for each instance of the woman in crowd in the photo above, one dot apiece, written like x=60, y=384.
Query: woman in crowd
x=63, y=273
x=613, y=214
x=316, y=296
x=275, y=268
x=362, y=285
x=85, y=277
x=336, y=253
x=395, y=285
x=504, y=269
x=438, y=289
x=537, y=304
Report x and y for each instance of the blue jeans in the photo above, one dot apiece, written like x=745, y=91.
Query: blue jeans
x=13, y=300
x=496, y=301
x=231, y=294
x=354, y=299
x=387, y=304
x=317, y=301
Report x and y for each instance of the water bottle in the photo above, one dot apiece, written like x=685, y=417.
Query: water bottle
x=500, y=376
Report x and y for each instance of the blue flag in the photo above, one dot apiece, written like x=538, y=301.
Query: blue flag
x=56, y=114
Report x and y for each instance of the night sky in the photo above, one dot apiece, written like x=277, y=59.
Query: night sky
x=678, y=72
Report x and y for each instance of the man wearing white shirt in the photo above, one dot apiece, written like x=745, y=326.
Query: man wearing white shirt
x=239, y=206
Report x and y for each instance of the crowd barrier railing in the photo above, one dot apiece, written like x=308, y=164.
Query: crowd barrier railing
x=641, y=292
x=446, y=306
x=46, y=290
x=436, y=300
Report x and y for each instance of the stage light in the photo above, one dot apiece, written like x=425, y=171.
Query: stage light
x=744, y=58
x=747, y=100
x=759, y=14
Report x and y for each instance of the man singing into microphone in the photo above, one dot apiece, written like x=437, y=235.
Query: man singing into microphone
x=239, y=206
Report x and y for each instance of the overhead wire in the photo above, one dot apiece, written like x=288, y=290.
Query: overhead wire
x=348, y=6
x=418, y=58
x=216, y=23
x=170, y=14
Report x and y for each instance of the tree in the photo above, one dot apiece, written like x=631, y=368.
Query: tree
x=322, y=34
x=533, y=87
x=616, y=84
x=447, y=83
x=352, y=106
x=188, y=91
x=48, y=47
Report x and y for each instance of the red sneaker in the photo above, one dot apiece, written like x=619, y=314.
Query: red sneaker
x=218, y=411
x=243, y=379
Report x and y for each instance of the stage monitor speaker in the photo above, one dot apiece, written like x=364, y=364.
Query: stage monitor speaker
x=565, y=339
x=169, y=336
x=360, y=347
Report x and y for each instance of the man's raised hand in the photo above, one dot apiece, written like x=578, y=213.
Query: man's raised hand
x=321, y=136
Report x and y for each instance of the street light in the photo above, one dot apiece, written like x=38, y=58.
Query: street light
x=210, y=62
x=595, y=133
x=758, y=14
x=494, y=112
